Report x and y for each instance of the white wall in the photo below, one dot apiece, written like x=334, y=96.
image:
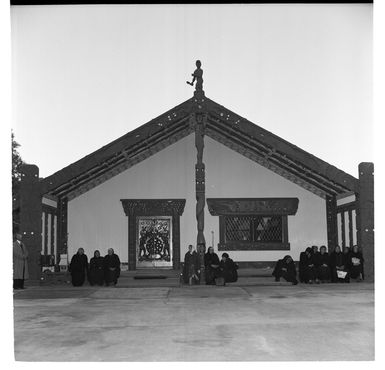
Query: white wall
x=96, y=219
x=229, y=174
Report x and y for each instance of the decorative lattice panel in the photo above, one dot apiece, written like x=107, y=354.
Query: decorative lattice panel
x=257, y=228
x=238, y=228
x=268, y=229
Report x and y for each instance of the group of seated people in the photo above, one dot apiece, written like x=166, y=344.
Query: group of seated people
x=217, y=272
x=321, y=267
x=99, y=271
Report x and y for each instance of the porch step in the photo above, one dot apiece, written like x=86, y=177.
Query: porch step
x=162, y=278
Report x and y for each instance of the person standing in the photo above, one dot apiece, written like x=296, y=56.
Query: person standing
x=96, y=271
x=191, y=266
x=20, y=263
x=78, y=267
x=111, y=267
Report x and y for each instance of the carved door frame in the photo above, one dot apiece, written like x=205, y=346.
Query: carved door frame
x=153, y=207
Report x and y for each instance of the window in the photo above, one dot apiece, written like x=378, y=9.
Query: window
x=253, y=223
x=257, y=229
x=260, y=232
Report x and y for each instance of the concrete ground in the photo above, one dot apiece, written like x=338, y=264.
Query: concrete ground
x=276, y=322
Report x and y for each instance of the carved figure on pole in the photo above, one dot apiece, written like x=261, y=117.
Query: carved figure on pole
x=197, y=76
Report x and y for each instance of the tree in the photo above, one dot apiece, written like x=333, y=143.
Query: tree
x=17, y=162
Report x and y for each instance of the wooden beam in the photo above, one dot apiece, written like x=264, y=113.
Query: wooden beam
x=274, y=155
x=342, y=230
x=31, y=217
x=256, y=158
x=294, y=152
x=273, y=162
x=151, y=128
x=331, y=222
x=350, y=213
x=365, y=216
x=144, y=153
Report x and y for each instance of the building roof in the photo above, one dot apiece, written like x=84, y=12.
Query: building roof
x=222, y=125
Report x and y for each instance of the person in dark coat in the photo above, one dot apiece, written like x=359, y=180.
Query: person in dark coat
x=339, y=266
x=322, y=263
x=314, y=249
x=78, y=268
x=356, y=263
x=307, y=267
x=285, y=268
x=211, y=266
x=191, y=266
x=228, y=269
x=96, y=270
x=20, y=265
x=111, y=267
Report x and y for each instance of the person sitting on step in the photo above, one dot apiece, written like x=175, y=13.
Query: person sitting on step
x=285, y=268
x=307, y=266
x=228, y=269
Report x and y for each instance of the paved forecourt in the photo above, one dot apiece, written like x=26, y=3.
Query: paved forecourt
x=201, y=323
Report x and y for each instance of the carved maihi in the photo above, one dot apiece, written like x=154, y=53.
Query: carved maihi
x=152, y=206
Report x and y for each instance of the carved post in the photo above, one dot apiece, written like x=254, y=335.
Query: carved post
x=365, y=217
x=30, y=217
x=331, y=222
x=200, y=190
x=175, y=240
x=131, y=239
x=62, y=228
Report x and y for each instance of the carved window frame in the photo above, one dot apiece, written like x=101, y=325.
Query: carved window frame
x=252, y=207
x=231, y=245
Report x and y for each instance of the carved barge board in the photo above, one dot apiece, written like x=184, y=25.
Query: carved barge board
x=291, y=150
x=230, y=129
x=151, y=128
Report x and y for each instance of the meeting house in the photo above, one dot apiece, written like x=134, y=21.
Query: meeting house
x=197, y=174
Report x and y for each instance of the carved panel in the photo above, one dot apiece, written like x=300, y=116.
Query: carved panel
x=255, y=206
x=150, y=207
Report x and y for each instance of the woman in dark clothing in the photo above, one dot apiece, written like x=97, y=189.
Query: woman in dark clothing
x=228, y=269
x=356, y=262
x=191, y=266
x=307, y=267
x=96, y=271
x=211, y=266
x=111, y=267
x=338, y=266
x=285, y=268
x=314, y=249
x=322, y=263
x=78, y=267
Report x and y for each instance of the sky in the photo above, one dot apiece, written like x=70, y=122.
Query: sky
x=85, y=75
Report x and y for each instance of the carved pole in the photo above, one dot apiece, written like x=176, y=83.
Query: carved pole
x=200, y=191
